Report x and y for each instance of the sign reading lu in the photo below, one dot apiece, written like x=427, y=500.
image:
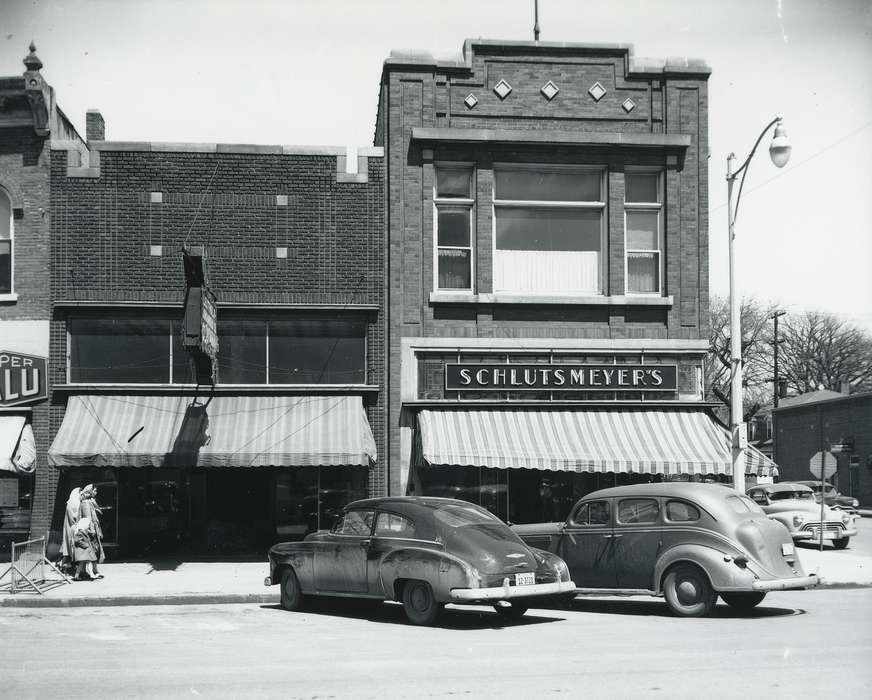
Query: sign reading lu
x=22, y=378
x=823, y=462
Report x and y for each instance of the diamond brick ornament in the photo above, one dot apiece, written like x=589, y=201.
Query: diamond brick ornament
x=597, y=91
x=502, y=89
x=470, y=101
x=628, y=105
x=549, y=89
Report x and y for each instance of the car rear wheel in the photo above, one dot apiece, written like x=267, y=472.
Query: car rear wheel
x=841, y=543
x=514, y=611
x=688, y=591
x=419, y=604
x=743, y=601
x=291, y=596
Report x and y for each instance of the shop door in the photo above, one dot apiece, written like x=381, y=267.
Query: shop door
x=587, y=545
x=152, y=511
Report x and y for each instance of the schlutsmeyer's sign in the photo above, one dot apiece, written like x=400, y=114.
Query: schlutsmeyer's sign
x=22, y=379
x=518, y=377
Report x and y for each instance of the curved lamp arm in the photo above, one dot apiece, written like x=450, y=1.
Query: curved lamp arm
x=743, y=169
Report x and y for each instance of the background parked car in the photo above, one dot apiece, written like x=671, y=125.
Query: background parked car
x=424, y=552
x=795, y=507
x=689, y=542
x=832, y=497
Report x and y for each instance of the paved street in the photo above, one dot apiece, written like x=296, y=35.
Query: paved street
x=808, y=644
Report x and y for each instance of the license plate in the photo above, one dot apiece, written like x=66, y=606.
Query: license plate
x=787, y=548
x=526, y=579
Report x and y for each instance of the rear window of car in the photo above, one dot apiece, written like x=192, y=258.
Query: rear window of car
x=743, y=505
x=681, y=512
x=355, y=522
x=393, y=525
x=638, y=510
x=787, y=495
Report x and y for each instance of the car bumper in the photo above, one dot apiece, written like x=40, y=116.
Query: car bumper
x=507, y=592
x=782, y=584
x=828, y=535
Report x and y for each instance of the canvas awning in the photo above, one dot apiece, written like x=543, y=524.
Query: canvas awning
x=10, y=433
x=221, y=431
x=652, y=441
x=756, y=462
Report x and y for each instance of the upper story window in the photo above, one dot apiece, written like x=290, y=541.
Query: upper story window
x=292, y=350
x=454, y=203
x=549, y=230
x=643, y=214
x=5, y=243
x=143, y=348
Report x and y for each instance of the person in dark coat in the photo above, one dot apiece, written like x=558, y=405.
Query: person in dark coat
x=71, y=516
x=83, y=548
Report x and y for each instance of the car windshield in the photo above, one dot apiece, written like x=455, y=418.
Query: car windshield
x=454, y=521
x=788, y=495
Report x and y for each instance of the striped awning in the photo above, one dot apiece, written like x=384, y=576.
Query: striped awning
x=591, y=440
x=222, y=431
x=756, y=462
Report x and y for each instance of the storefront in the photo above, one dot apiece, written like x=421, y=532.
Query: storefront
x=216, y=475
x=526, y=431
x=22, y=383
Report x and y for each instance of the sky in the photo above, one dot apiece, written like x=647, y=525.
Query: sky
x=307, y=73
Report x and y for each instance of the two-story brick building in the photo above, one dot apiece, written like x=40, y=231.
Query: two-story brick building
x=29, y=120
x=548, y=273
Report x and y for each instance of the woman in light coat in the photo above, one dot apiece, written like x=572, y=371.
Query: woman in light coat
x=88, y=508
x=71, y=516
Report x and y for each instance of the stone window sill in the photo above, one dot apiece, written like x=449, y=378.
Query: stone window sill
x=11, y=298
x=443, y=297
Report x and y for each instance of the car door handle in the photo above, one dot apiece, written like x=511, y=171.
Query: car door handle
x=608, y=537
x=365, y=543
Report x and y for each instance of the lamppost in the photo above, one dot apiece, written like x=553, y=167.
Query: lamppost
x=779, y=152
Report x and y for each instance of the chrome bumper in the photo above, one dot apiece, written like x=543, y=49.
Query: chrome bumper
x=506, y=592
x=783, y=584
x=828, y=535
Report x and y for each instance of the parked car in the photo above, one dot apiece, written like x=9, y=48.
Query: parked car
x=794, y=506
x=832, y=497
x=688, y=542
x=424, y=552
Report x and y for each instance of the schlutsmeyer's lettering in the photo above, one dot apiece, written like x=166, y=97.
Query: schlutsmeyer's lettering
x=622, y=377
x=530, y=377
x=499, y=377
x=513, y=378
x=559, y=377
x=594, y=374
x=465, y=377
x=576, y=376
x=481, y=377
x=609, y=373
x=657, y=377
x=638, y=377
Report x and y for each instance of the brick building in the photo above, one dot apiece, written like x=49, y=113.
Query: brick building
x=823, y=421
x=548, y=273
x=29, y=120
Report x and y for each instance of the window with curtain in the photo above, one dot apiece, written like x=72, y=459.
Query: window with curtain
x=5, y=243
x=549, y=230
x=454, y=202
x=643, y=211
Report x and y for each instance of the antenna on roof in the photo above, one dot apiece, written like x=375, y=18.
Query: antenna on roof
x=536, y=25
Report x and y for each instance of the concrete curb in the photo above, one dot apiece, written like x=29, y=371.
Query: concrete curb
x=31, y=601
x=19, y=601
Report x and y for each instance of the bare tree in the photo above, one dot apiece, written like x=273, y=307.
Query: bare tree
x=821, y=351
x=756, y=350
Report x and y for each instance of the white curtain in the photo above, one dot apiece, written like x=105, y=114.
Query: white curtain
x=546, y=271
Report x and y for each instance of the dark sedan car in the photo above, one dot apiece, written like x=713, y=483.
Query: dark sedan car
x=424, y=552
x=689, y=542
x=832, y=498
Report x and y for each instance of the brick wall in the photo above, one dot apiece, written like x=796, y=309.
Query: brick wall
x=668, y=98
x=239, y=207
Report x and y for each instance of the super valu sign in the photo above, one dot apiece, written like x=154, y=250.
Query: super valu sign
x=22, y=379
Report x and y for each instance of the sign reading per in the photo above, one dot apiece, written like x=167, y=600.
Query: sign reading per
x=22, y=378
x=518, y=377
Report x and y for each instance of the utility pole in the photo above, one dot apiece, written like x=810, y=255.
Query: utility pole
x=775, y=382
x=536, y=20
x=776, y=343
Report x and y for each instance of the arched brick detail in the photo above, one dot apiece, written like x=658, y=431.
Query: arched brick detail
x=13, y=191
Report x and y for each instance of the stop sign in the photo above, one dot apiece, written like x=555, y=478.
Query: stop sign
x=823, y=461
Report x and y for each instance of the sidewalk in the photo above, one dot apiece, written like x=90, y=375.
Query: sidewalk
x=192, y=583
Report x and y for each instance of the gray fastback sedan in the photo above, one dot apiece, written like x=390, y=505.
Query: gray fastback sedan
x=689, y=542
x=424, y=552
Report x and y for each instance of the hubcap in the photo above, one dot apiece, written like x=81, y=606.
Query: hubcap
x=688, y=591
x=419, y=598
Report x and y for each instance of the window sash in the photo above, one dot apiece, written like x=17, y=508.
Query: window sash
x=461, y=277
x=633, y=283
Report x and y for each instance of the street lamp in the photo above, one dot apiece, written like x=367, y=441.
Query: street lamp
x=779, y=152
